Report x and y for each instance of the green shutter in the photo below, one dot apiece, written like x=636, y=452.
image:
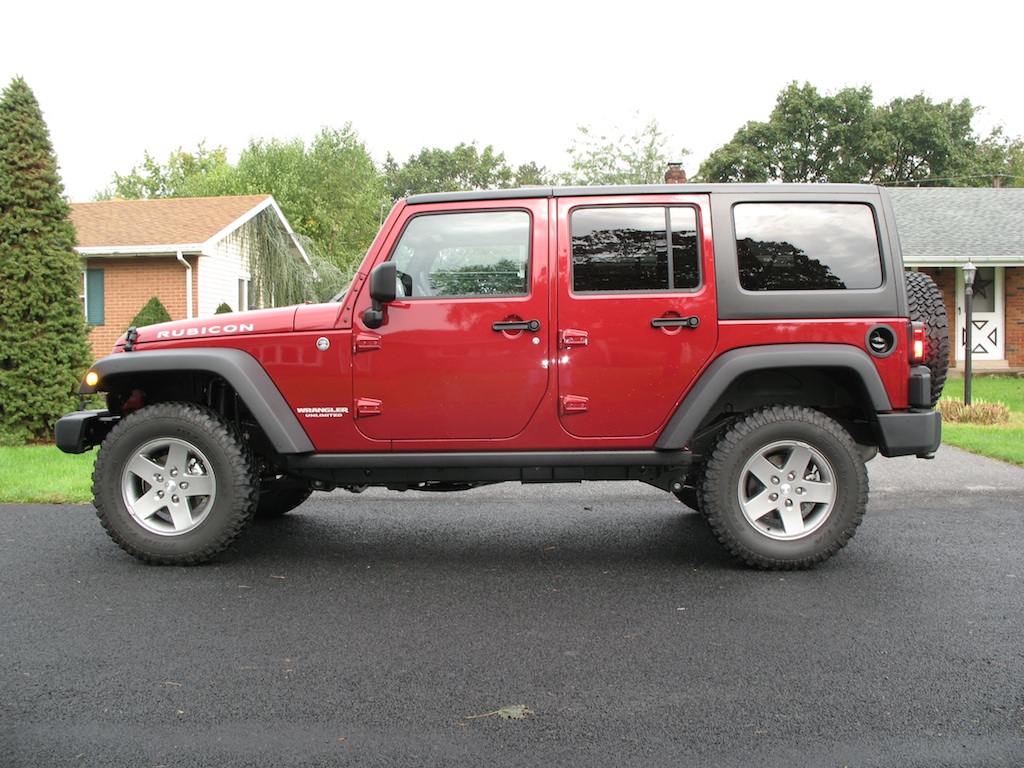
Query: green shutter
x=94, y=296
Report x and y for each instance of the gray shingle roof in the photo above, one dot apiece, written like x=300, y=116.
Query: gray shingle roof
x=947, y=225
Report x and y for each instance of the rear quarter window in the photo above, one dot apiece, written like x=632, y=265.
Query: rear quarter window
x=807, y=246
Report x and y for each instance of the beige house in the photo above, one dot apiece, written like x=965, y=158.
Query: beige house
x=188, y=252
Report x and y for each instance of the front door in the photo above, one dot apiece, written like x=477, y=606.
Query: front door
x=636, y=310
x=463, y=352
x=988, y=317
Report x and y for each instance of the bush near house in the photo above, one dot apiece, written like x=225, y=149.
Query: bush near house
x=154, y=312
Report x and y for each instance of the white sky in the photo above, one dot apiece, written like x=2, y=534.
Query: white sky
x=116, y=79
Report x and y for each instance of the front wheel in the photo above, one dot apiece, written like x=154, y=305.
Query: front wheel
x=784, y=487
x=174, y=484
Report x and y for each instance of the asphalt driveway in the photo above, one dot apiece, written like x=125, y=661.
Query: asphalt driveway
x=363, y=630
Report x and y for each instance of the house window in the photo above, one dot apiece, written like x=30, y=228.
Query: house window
x=92, y=296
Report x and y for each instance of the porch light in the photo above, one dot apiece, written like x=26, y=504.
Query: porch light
x=970, y=271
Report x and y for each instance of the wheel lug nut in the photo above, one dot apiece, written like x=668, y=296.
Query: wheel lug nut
x=174, y=498
x=159, y=494
x=774, y=497
x=184, y=486
x=158, y=477
x=775, y=480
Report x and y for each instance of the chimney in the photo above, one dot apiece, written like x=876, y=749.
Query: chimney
x=675, y=174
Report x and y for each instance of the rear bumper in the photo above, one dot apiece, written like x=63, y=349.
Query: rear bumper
x=79, y=431
x=913, y=433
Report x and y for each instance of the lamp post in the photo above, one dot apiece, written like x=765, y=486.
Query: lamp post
x=969, y=272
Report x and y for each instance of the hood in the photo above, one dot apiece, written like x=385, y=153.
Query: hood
x=278, y=320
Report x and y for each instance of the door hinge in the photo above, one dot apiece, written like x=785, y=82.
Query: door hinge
x=574, y=404
x=366, y=342
x=571, y=337
x=367, y=406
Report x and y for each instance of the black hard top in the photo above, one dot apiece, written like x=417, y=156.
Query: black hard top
x=646, y=189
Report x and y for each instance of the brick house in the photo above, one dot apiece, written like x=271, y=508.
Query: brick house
x=940, y=230
x=188, y=252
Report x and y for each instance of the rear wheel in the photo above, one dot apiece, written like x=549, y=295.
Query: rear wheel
x=784, y=487
x=174, y=484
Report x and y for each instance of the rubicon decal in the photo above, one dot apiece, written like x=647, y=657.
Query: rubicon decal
x=207, y=330
x=323, y=412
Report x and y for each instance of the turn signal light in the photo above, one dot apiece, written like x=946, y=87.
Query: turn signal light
x=92, y=378
x=918, y=347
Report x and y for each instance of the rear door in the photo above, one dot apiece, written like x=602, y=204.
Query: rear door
x=637, y=315
x=463, y=353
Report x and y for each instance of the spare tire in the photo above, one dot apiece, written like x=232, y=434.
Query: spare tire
x=926, y=306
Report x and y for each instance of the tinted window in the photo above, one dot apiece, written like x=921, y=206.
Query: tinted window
x=807, y=246
x=465, y=254
x=627, y=249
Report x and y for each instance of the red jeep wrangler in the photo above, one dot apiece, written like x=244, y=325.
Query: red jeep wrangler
x=745, y=347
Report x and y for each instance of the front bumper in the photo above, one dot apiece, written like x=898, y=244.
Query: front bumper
x=79, y=431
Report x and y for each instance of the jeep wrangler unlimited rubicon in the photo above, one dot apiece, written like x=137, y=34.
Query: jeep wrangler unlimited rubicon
x=744, y=347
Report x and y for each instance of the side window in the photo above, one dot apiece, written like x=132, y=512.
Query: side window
x=807, y=246
x=477, y=253
x=635, y=249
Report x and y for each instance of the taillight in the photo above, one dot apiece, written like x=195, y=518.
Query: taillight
x=918, y=343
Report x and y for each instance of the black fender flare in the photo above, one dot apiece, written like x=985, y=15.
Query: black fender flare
x=239, y=369
x=730, y=366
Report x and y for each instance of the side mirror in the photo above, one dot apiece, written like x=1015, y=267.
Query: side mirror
x=382, y=283
x=382, y=291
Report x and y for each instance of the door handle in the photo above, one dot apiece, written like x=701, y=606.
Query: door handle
x=517, y=325
x=675, y=322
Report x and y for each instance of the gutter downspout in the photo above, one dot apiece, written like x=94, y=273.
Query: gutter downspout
x=188, y=285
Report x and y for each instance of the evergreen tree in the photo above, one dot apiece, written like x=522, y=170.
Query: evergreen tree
x=43, y=337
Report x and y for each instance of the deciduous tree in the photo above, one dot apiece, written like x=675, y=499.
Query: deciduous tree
x=842, y=137
x=330, y=190
x=453, y=170
x=639, y=158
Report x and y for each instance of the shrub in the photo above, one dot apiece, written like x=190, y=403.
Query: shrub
x=978, y=412
x=154, y=312
x=223, y=309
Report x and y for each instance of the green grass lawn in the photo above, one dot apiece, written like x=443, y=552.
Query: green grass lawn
x=41, y=474
x=999, y=441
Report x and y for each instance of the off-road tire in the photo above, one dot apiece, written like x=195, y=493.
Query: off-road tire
x=174, y=484
x=784, y=487
x=925, y=305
